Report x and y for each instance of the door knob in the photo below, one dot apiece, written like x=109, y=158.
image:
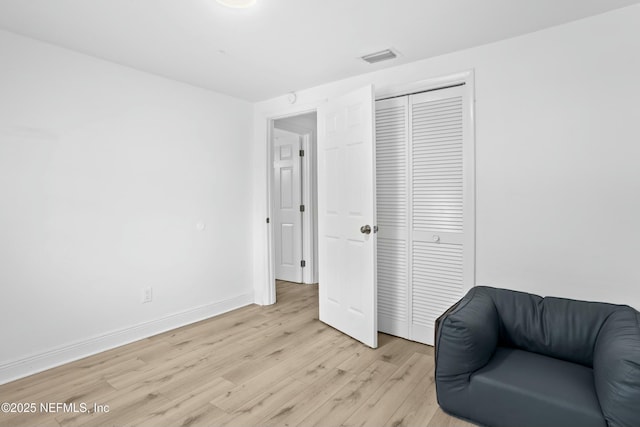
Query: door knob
x=365, y=229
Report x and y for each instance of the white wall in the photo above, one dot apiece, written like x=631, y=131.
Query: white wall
x=105, y=173
x=557, y=156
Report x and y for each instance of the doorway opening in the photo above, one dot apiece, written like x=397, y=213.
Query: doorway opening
x=293, y=198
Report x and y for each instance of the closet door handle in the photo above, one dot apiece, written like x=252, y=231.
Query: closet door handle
x=365, y=229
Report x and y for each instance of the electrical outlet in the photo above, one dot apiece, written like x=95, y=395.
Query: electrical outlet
x=147, y=295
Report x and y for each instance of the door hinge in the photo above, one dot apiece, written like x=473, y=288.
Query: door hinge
x=301, y=153
x=301, y=208
x=303, y=263
x=267, y=220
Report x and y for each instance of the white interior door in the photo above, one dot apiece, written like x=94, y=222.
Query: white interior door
x=442, y=205
x=346, y=209
x=392, y=198
x=288, y=196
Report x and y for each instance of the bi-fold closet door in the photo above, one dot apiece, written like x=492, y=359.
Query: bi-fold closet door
x=425, y=208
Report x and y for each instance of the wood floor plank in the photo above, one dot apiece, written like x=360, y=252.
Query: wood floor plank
x=39, y=419
x=440, y=419
x=253, y=411
x=238, y=395
x=125, y=408
x=391, y=350
x=209, y=346
x=392, y=393
x=203, y=416
x=327, y=360
x=278, y=348
x=256, y=366
x=58, y=384
x=418, y=408
x=350, y=397
x=199, y=383
x=228, y=323
x=309, y=400
x=183, y=406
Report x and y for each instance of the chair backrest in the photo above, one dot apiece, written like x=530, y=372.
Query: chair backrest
x=557, y=327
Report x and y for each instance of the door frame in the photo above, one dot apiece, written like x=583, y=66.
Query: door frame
x=308, y=221
x=382, y=91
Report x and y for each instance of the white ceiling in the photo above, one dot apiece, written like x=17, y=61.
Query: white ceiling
x=280, y=45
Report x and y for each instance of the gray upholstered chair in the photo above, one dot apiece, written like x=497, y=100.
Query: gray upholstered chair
x=506, y=358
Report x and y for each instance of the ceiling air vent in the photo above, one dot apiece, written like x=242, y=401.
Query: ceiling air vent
x=383, y=55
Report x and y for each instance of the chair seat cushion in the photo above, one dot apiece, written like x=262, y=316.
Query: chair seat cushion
x=520, y=388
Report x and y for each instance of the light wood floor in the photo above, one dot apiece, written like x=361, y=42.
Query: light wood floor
x=256, y=366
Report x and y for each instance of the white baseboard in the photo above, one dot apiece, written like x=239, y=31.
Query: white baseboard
x=59, y=356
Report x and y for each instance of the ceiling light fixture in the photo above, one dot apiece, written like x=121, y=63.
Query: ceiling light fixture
x=237, y=3
x=383, y=55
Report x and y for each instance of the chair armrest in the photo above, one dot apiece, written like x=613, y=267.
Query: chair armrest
x=616, y=368
x=438, y=322
x=466, y=339
x=467, y=335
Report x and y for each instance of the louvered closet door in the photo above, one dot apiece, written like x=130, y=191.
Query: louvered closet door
x=392, y=201
x=441, y=215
